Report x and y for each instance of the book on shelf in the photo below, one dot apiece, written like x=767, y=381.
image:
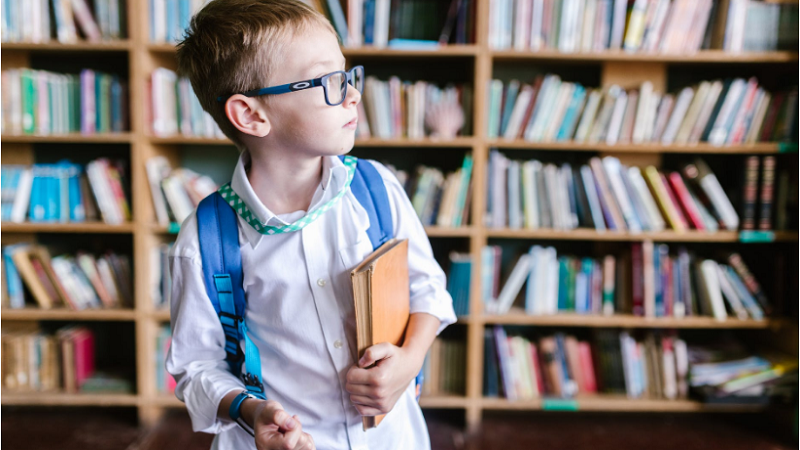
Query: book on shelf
x=165, y=382
x=404, y=109
x=172, y=108
x=44, y=103
x=175, y=192
x=169, y=18
x=443, y=368
x=160, y=278
x=66, y=192
x=402, y=24
x=605, y=195
x=720, y=112
x=641, y=26
x=381, y=296
x=68, y=21
x=458, y=281
x=648, y=281
x=77, y=282
x=439, y=199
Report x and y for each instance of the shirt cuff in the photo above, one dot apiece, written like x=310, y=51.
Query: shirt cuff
x=436, y=302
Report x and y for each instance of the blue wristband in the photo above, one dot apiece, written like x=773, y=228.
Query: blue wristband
x=235, y=410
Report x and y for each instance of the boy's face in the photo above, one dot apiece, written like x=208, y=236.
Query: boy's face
x=302, y=120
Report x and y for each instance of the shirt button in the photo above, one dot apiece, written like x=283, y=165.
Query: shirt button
x=337, y=344
x=321, y=282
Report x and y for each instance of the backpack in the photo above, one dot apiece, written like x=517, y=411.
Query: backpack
x=217, y=227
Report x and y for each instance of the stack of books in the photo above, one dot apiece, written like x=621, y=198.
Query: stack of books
x=648, y=281
x=35, y=20
x=176, y=192
x=165, y=382
x=647, y=26
x=721, y=112
x=77, y=282
x=169, y=18
x=43, y=103
x=605, y=195
x=174, y=108
x=406, y=24
x=438, y=199
x=66, y=192
x=444, y=369
x=398, y=109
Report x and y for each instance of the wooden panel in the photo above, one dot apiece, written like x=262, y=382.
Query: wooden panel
x=630, y=75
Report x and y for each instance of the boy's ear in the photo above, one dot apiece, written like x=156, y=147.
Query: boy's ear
x=248, y=115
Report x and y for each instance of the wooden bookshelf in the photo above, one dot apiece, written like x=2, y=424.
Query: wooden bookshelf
x=621, y=68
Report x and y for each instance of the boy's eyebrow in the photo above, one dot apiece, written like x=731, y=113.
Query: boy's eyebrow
x=321, y=63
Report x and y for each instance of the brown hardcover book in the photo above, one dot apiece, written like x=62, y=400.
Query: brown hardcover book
x=33, y=265
x=551, y=370
x=381, y=295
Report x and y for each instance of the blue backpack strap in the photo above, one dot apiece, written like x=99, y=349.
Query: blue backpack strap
x=370, y=191
x=218, y=233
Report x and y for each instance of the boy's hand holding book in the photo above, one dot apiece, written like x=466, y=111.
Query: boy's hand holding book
x=375, y=390
x=275, y=429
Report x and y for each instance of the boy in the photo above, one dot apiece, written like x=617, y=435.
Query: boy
x=300, y=310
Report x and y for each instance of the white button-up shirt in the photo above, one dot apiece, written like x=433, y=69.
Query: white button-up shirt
x=300, y=314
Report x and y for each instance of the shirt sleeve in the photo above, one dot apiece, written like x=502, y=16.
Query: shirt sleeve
x=426, y=277
x=196, y=357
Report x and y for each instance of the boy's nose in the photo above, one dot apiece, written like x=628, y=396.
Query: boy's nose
x=353, y=96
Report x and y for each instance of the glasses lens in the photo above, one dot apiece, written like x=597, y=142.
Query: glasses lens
x=358, y=78
x=335, y=87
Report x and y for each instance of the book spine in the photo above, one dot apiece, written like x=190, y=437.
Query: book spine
x=767, y=193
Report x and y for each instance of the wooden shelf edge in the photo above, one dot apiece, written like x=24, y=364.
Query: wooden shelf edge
x=443, y=401
x=611, y=403
x=63, y=399
x=80, y=46
x=67, y=314
x=100, y=138
x=77, y=227
x=702, y=56
x=594, y=235
x=627, y=321
x=447, y=50
x=702, y=148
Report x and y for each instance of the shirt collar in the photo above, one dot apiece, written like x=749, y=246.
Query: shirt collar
x=334, y=178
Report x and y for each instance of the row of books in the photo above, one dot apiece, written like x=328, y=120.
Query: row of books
x=66, y=192
x=40, y=21
x=161, y=281
x=444, y=369
x=169, y=18
x=175, y=192
x=439, y=199
x=165, y=382
x=80, y=281
x=402, y=24
x=733, y=111
x=647, y=282
x=35, y=361
x=396, y=108
x=44, y=103
x=605, y=195
x=647, y=26
x=174, y=108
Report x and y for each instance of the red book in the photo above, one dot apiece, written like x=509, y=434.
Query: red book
x=669, y=292
x=674, y=200
x=685, y=200
x=537, y=369
x=637, y=275
x=587, y=367
x=537, y=85
x=83, y=340
x=767, y=191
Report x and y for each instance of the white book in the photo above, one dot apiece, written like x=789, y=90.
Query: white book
x=678, y=114
x=613, y=167
x=692, y=114
x=627, y=363
x=551, y=280
x=654, y=218
x=681, y=366
x=587, y=118
x=711, y=284
x=551, y=185
x=600, y=126
x=520, y=106
x=670, y=374
x=381, y=27
x=592, y=198
x=749, y=302
x=705, y=112
x=729, y=293
x=650, y=117
x=563, y=100
x=654, y=32
x=514, y=196
x=758, y=118
x=720, y=130
x=642, y=109
x=615, y=123
x=722, y=204
x=22, y=197
x=534, y=295
x=738, y=118
x=513, y=285
x=355, y=22
x=98, y=180
x=537, y=15
x=530, y=195
x=618, y=24
x=522, y=24
x=544, y=113
x=587, y=29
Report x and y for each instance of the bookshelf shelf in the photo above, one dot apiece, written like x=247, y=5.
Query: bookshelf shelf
x=86, y=227
x=63, y=399
x=187, y=140
x=403, y=142
x=68, y=314
x=100, y=138
x=618, y=403
x=584, y=234
x=701, y=57
x=432, y=231
x=702, y=148
x=82, y=46
x=518, y=317
x=444, y=51
x=443, y=401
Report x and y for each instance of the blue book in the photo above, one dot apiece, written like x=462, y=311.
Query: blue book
x=510, y=98
x=16, y=296
x=491, y=378
x=77, y=211
x=563, y=283
x=369, y=21
x=52, y=194
x=571, y=116
x=413, y=44
x=568, y=386
x=172, y=20
x=116, y=104
x=185, y=16
x=338, y=20
x=583, y=288
x=458, y=282
x=659, y=253
x=152, y=16
x=36, y=206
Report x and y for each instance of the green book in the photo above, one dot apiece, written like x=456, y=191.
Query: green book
x=563, y=282
x=466, y=174
x=28, y=101
x=573, y=268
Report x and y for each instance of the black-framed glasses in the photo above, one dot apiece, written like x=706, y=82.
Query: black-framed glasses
x=334, y=85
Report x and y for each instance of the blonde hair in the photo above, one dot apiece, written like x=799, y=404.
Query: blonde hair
x=232, y=46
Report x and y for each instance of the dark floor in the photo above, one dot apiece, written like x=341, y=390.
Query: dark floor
x=112, y=429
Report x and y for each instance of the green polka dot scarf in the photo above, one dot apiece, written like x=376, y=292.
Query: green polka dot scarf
x=241, y=208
